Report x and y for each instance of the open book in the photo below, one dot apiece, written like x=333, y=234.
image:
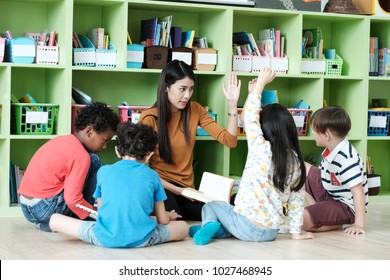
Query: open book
x=92, y=213
x=212, y=187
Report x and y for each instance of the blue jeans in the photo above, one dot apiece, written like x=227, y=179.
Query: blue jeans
x=235, y=224
x=40, y=213
x=86, y=234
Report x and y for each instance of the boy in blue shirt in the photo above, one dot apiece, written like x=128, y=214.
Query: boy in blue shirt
x=127, y=192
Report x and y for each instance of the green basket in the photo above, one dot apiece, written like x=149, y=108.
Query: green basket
x=33, y=118
x=334, y=66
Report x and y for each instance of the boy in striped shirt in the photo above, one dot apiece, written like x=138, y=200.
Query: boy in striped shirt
x=336, y=192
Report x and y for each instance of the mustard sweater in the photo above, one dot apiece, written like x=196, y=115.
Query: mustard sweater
x=180, y=171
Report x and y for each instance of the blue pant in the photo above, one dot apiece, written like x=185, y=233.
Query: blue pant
x=41, y=212
x=235, y=224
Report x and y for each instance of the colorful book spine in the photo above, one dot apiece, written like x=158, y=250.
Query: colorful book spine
x=374, y=56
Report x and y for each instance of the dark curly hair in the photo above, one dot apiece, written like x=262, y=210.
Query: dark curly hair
x=99, y=116
x=136, y=140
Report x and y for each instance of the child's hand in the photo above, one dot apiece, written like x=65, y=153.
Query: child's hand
x=266, y=76
x=232, y=89
x=303, y=235
x=354, y=230
x=173, y=215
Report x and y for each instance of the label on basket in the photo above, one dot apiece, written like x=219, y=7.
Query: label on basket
x=37, y=117
x=185, y=56
x=207, y=58
x=299, y=121
x=135, y=56
x=135, y=117
x=23, y=50
x=378, y=121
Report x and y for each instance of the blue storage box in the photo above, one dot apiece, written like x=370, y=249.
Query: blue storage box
x=200, y=131
x=378, y=122
x=135, y=55
x=20, y=50
x=106, y=57
x=85, y=56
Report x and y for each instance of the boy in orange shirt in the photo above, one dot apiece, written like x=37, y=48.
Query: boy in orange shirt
x=62, y=173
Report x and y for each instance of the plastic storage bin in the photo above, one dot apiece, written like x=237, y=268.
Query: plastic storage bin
x=242, y=63
x=135, y=55
x=106, y=57
x=44, y=54
x=85, y=56
x=33, y=118
x=20, y=50
x=240, y=131
x=334, y=66
x=378, y=122
x=200, y=131
x=313, y=66
x=131, y=113
x=301, y=119
x=205, y=59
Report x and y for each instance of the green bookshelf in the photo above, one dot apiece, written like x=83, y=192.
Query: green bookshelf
x=349, y=34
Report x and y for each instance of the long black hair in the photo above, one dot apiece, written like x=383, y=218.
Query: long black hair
x=172, y=72
x=279, y=129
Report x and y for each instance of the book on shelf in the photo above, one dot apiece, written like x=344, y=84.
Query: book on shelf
x=80, y=97
x=176, y=36
x=254, y=44
x=277, y=43
x=200, y=42
x=148, y=31
x=374, y=56
x=188, y=38
x=267, y=34
x=96, y=35
x=312, y=42
x=242, y=39
x=282, y=46
x=166, y=23
x=92, y=213
x=213, y=187
x=267, y=46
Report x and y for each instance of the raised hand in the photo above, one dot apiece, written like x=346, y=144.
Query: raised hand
x=232, y=89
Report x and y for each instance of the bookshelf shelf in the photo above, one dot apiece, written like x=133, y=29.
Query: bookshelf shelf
x=353, y=89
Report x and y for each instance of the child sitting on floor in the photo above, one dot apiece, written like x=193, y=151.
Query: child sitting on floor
x=274, y=174
x=127, y=192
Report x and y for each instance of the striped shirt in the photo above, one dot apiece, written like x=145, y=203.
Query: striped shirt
x=341, y=170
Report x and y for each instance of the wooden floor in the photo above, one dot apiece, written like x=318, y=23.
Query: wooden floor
x=20, y=240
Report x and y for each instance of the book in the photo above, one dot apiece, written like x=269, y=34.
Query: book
x=267, y=46
x=242, y=39
x=188, y=38
x=148, y=31
x=166, y=23
x=96, y=35
x=282, y=46
x=277, y=43
x=254, y=44
x=92, y=213
x=267, y=34
x=176, y=36
x=80, y=97
x=213, y=187
x=313, y=36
